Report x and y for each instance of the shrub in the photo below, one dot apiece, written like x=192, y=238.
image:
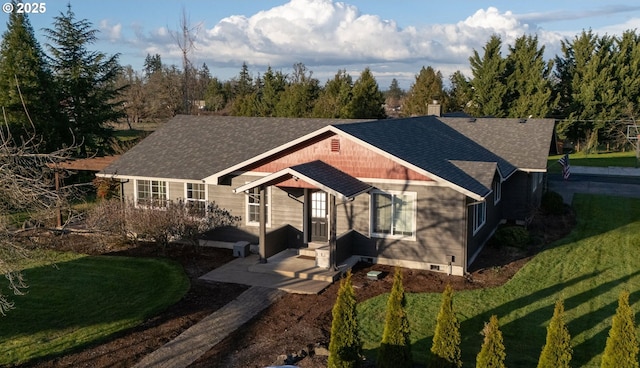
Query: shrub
x=621, y=350
x=492, y=352
x=512, y=236
x=445, y=349
x=345, y=346
x=552, y=203
x=395, y=348
x=557, y=351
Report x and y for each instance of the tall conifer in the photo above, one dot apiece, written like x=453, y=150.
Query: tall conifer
x=557, y=351
x=345, y=347
x=621, y=350
x=395, y=348
x=492, y=354
x=445, y=350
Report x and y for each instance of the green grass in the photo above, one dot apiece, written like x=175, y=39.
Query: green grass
x=587, y=269
x=75, y=300
x=616, y=159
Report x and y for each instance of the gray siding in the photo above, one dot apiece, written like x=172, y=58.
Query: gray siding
x=440, y=226
x=520, y=198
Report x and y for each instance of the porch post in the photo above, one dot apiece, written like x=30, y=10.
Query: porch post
x=332, y=232
x=305, y=216
x=263, y=225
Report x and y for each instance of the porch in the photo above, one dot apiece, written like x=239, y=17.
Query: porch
x=286, y=270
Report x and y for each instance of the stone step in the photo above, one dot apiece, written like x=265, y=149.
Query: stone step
x=307, y=252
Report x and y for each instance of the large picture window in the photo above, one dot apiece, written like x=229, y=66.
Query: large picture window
x=151, y=193
x=393, y=214
x=253, y=206
x=479, y=211
x=196, y=198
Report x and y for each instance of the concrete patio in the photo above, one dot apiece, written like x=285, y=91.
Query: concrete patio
x=287, y=271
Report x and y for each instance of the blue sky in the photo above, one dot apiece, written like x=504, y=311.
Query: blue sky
x=394, y=38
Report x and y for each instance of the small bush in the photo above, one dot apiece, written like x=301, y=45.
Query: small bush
x=552, y=203
x=511, y=236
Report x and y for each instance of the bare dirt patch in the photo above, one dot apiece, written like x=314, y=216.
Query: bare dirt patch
x=293, y=323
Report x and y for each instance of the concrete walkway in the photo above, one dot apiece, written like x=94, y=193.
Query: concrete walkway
x=197, y=340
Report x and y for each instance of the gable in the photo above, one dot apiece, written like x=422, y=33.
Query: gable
x=342, y=153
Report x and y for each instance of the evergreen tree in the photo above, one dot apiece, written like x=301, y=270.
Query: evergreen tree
x=334, y=97
x=627, y=62
x=492, y=354
x=529, y=89
x=395, y=348
x=460, y=96
x=489, y=80
x=426, y=88
x=367, y=102
x=557, y=351
x=300, y=94
x=394, y=94
x=152, y=64
x=26, y=78
x=86, y=82
x=345, y=346
x=215, y=97
x=273, y=84
x=621, y=350
x=445, y=350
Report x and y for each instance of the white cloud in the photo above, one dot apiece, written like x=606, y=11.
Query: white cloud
x=112, y=32
x=328, y=35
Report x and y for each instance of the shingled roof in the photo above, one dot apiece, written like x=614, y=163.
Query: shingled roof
x=435, y=147
x=462, y=151
x=191, y=147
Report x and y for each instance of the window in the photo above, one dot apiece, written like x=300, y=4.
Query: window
x=497, y=191
x=479, y=211
x=151, y=193
x=253, y=206
x=393, y=214
x=195, y=198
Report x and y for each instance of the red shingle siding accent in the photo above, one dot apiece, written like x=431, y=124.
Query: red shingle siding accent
x=352, y=158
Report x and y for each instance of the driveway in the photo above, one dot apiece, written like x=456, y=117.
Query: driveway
x=623, y=186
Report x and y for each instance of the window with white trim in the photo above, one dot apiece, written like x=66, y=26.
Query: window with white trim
x=479, y=215
x=536, y=178
x=196, y=198
x=497, y=191
x=151, y=193
x=393, y=214
x=253, y=206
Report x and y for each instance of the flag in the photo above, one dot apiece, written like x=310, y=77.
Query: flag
x=566, y=168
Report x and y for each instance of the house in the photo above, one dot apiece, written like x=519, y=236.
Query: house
x=423, y=192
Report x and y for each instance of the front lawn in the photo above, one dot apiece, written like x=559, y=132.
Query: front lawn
x=587, y=269
x=75, y=300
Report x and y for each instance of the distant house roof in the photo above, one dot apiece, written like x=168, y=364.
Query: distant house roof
x=193, y=147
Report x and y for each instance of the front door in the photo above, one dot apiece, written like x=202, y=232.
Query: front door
x=319, y=217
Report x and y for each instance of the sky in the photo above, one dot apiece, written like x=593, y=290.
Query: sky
x=395, y=39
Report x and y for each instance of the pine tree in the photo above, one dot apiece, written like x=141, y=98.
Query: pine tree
x=529, y=89
x=489, y=83
x=26, y=78
x=395, y=348
x=334, y=97
x=492, y=354
x=445, y=350
x=557, y=351
x=367, y=101
x=85, y=81
x=426, y=88
x=621, y=350
x=345, y=347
